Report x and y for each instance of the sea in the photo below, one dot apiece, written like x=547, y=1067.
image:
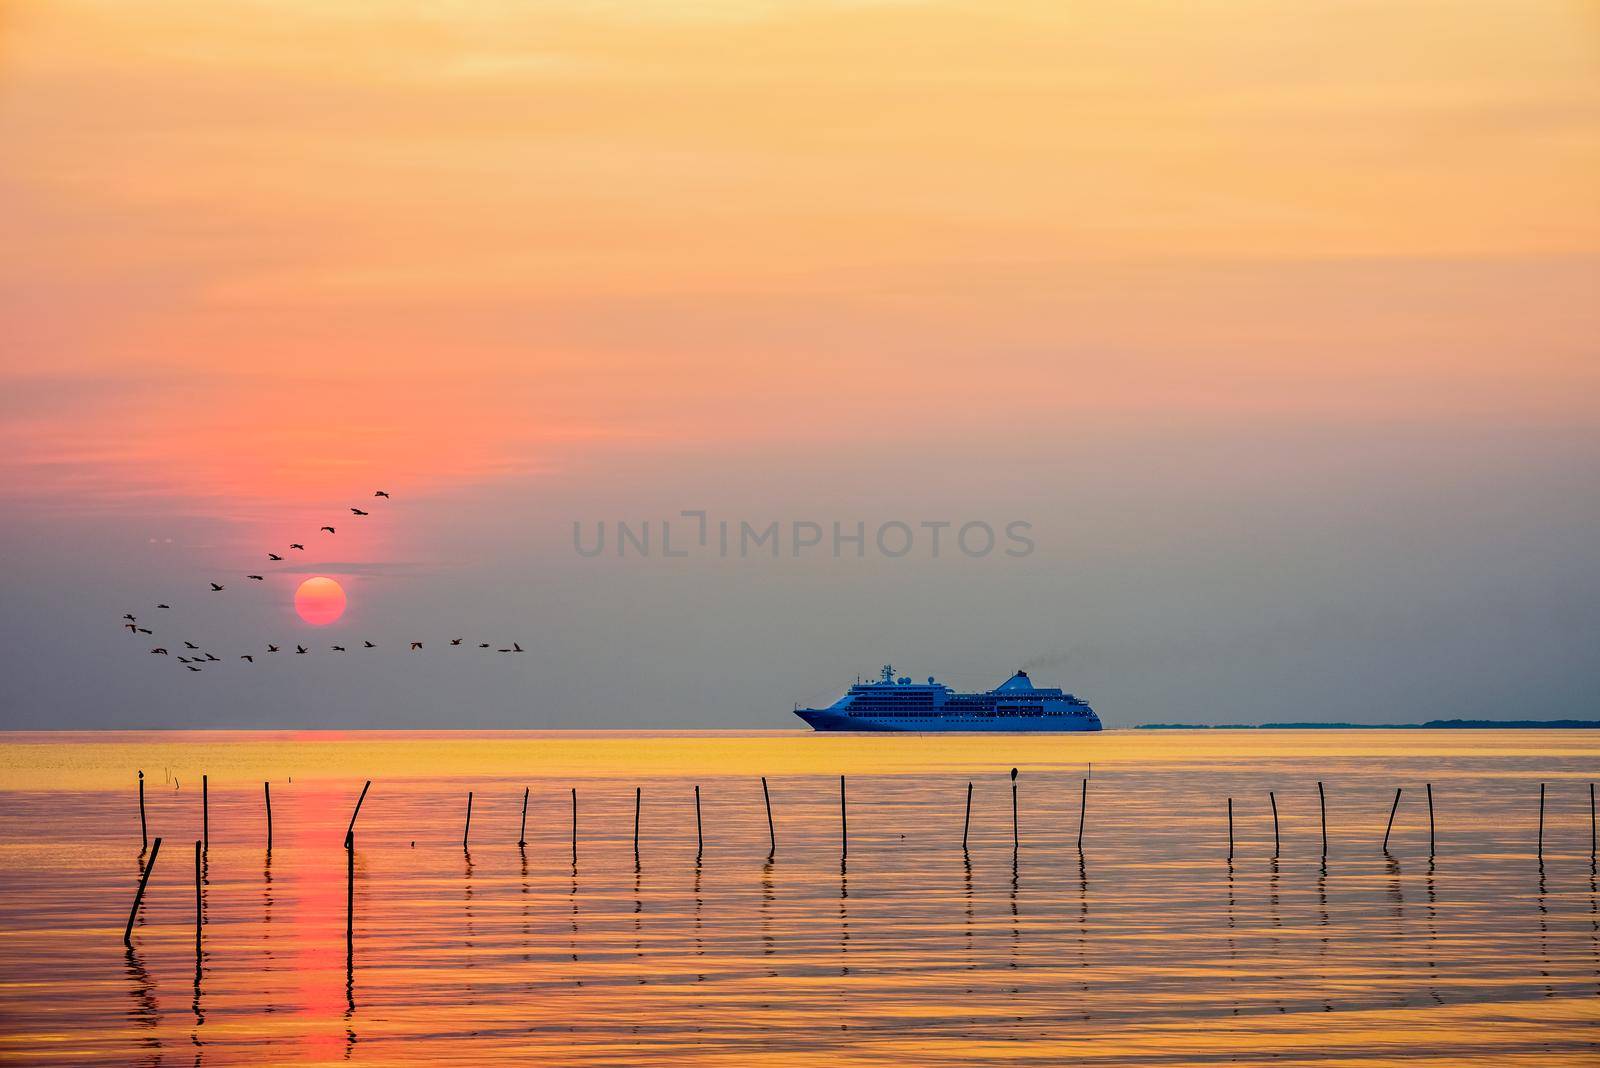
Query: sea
x=622, y=898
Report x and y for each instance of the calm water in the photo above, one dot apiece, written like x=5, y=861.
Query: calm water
x=1146, y=948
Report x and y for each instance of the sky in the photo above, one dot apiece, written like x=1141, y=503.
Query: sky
x=1274, y=321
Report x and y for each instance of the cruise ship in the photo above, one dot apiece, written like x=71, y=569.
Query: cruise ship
x=898, y=704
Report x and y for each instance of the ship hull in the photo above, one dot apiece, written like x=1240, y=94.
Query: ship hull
x=826, y=720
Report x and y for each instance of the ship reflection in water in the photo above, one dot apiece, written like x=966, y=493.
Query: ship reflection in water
x=1147, y=948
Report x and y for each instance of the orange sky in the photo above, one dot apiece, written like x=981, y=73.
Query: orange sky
x=274, y=250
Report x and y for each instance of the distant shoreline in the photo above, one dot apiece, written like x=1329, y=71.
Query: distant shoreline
x=1430, y=725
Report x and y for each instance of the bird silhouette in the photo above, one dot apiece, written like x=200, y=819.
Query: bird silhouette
x=129, y=618
x=416, y=645
x=159, y=651
x=369, y=645
x=191, y=667
x=455, y=641
x=130, y=626
x=515, y=648
x=272, y=648
x=213, y=656
x=163, y=606
x=330, y=530
x=274, y=556
x=357, y=511
x=297, y=545
x=190, y=645
x=247, y=656
x=144, y=630
x=300, y=649
x=216, y=587
x=258, y=578
x=338, y=648
x=183, y=660
x=483, y=645
x=505, y=650
x=381, y=493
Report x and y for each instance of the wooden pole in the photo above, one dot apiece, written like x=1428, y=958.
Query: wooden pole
x=1392, y=809
x=1541, y=819
x=1014, y=837
x=149, y=866
x=466, y=831
x=205, y=814
x=522, y=832
x=1591, y=821
x=198, y=905
x=574, y=825
x=1274, y=799
x=1230, y=828
x=966, y=824
x=772, y=835
x=699, y=830
x=349, y=833
x=638, y=797
x=1322, y=805
x=844, y=824
x=1083, y=808
x=1430, y=819
x=350, y=899
x=144, y=834
x=266, y=789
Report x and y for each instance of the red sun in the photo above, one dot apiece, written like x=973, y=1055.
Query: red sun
x=319, y=600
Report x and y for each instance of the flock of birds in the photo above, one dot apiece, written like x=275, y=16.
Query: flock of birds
x=195, y=658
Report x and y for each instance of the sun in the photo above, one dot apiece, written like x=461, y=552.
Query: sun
x=319, y=600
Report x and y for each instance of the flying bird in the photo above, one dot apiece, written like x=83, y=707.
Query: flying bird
x=369, y=645
x=515, y=648
x=381, y=493
x=416, y=645
x=274, y=556
x=247, y=656
x=357, y=511
x=213, y=656
x=296, y=545
x=272, y=648
x=190, y=645
x=144, y=630
x=338, y=648
x=159, y=651
x=163, y=606
x=455, y=641
x=191, y=667
x=300, y=649
x=330, y=530
x=216, y=587
x=183, y=660
x=130, y=626
x=258, y=578
x=129, y=618
x=483, y=645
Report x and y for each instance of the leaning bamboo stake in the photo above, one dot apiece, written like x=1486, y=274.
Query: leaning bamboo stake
x=966, y=823
x=638, y=797
x=138, y=897
x=522, y=832
x=574, y=826
x=1430, y=819
x=144, y=833
x=199, y=904
x=1591, y=822
x=1392, y=809
x=844, y=824
x=1322, y=805
x=772, y=835
x=205, y=814
x=350, y=831
x=466, y=831
x=1083, y=810
x=699, y=830
x=1230, y=828
x=1274, y=799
